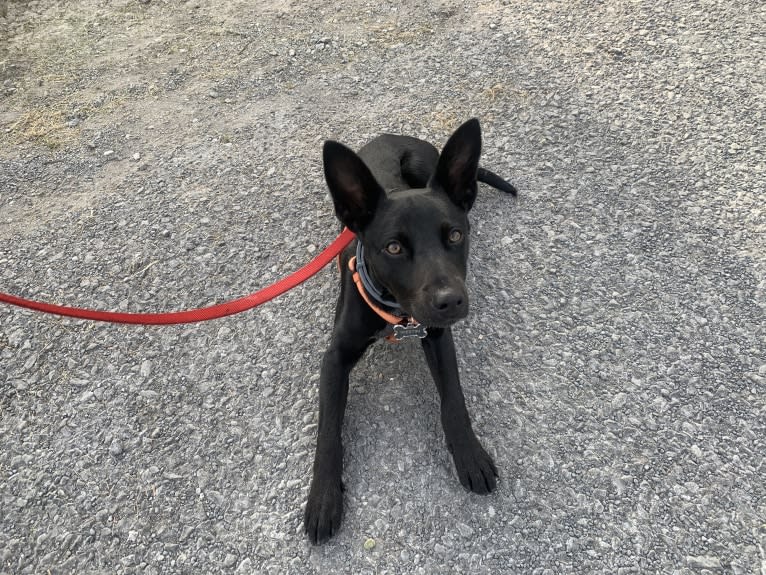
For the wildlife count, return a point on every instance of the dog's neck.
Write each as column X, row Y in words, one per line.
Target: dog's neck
column 380, row 295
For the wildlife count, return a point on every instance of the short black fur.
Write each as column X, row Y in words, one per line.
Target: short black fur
column 400, row 191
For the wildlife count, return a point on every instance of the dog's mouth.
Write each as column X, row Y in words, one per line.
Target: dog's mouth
column 438, row 313
column 439, row 320
column 437, row 324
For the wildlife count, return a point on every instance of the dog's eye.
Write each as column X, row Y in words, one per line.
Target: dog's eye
column 455, row 236
column 394, row 248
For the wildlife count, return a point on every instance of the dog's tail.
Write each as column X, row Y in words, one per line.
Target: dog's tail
column 495, row 181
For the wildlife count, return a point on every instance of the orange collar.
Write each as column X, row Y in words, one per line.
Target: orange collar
column 402, row 326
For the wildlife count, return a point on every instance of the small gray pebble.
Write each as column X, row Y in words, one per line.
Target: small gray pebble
column 229, row 560
column 703, row 562
column 115, row 448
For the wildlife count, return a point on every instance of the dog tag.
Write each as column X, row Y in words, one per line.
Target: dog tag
column 409, row 330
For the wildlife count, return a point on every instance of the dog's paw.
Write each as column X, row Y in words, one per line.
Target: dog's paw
column 324, row 510
column 475, row 468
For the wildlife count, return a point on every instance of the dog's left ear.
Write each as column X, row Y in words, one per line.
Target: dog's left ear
column 458, row 164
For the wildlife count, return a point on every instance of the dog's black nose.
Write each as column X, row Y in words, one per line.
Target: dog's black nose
column 448, row 301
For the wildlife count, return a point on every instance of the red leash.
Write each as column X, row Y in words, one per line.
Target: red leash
column 202, row 314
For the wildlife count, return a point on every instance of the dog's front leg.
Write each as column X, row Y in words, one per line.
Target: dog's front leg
column 474, row 465
column 324, row 508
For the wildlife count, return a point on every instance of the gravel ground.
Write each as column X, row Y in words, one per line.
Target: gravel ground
column 160, row 155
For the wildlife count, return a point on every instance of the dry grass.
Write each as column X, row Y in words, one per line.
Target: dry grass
column 47, row 125
column 44, row 126
column 56, row 54
column 390, row 34
column 493, row 92
column 444, row 120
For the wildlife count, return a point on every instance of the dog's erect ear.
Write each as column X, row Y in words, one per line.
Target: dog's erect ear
column 355, row 192
column 458, row 164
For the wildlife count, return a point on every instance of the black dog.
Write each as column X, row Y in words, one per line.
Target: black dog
column 403, row 277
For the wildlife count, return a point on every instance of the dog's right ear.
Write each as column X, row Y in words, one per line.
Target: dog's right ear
column 354, row 190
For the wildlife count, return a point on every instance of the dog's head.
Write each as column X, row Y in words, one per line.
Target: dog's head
column 416, row 240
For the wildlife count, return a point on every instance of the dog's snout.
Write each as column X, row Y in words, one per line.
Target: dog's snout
column 447, row 300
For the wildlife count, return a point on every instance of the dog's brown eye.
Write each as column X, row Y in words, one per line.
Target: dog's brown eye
column 455, row 236
column 394, row 248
